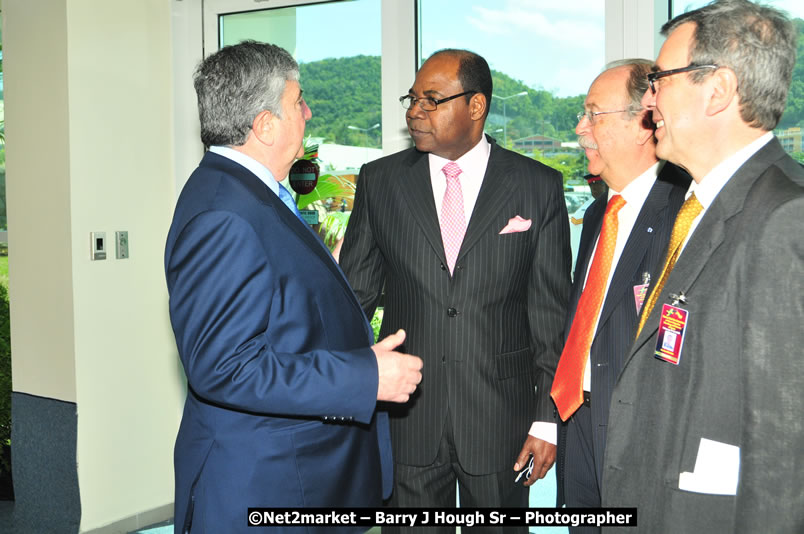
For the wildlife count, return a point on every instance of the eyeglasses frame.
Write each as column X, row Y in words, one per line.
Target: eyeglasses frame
column 653, row 76
column 592, row 115
column 414, row 100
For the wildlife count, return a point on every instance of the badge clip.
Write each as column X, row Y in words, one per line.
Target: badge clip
column 678, row 298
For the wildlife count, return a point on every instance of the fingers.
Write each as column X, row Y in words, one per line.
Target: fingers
column 399, row 374
column 522, row 459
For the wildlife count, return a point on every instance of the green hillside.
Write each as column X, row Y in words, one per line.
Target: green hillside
column 346, row 91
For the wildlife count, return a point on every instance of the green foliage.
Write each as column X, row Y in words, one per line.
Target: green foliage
column 794, row 111
column 334, row 227
column 328, row 186
column 344, row 92
column 570, row 165
column 376, row 322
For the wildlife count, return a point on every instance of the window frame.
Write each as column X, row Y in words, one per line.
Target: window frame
column 631, row 30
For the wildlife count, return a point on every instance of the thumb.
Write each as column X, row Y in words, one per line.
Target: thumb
column 391, row 342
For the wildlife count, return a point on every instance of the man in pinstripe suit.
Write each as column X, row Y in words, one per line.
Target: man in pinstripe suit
column 618, row 139
column 487, row 319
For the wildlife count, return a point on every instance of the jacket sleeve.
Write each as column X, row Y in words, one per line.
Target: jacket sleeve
column 361, row 258
column 548, row 293
column 232, row 314
column 773, row 376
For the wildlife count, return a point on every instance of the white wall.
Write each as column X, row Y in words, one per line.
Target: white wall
column 89, row 129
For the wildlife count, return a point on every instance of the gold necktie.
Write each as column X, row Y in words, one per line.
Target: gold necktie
column 689, row 210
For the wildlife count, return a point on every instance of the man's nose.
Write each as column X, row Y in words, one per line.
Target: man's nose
column 582, row 126
column 648, row 99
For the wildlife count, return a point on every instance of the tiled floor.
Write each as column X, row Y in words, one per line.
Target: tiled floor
column 542, row 495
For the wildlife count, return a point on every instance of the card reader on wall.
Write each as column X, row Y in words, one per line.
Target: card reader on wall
column 97, row 245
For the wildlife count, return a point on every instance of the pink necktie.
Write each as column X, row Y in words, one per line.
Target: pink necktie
column 453, row 223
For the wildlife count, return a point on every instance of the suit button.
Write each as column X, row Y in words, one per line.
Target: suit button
column 443, row 359
column 452, row 312
column 443, row 267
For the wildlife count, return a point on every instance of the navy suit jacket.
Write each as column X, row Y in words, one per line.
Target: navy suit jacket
column 644, row 252
column 282, row 383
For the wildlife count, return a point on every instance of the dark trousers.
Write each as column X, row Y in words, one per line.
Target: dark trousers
column 581, row 486
column 433, row 486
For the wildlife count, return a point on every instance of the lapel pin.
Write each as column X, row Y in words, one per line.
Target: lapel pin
column 680, row 297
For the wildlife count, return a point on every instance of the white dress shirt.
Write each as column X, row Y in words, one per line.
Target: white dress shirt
column 634, row 194
column 473, row 167
column 707, row 190
column 260, row 170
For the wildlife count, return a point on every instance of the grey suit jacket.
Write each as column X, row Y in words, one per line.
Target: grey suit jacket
column 740, row 378
column 644, row 252
column 490, row 335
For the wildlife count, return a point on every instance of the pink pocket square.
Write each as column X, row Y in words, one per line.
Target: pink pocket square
column 516, row 224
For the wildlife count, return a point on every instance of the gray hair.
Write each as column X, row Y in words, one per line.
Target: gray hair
column 637, row 82
column 757, row 42
column 235, row 84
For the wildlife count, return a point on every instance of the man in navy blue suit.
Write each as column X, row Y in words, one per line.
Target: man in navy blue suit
column 283, row 380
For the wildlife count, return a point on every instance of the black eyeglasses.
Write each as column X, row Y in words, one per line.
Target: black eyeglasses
column 427, row 103
column 653, row 76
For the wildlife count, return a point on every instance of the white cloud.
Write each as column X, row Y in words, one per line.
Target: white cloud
column 564, row 26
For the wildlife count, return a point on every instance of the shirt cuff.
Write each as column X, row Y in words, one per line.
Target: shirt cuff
column 544, row 431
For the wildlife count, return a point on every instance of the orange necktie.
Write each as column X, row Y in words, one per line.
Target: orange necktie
column 567, row 391
column 689, row 210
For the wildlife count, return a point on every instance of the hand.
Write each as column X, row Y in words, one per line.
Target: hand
column 399, row 373
column 544, row 455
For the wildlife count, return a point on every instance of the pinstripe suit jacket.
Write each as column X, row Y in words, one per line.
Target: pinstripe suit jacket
column 644, row 252
column 490, row 333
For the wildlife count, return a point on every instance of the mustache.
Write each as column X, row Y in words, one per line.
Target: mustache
column 585, row 142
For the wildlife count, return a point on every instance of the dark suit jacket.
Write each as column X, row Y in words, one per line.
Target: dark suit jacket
column 741, row 374
column 282, row 382
column 644, row 252
column 488, row 334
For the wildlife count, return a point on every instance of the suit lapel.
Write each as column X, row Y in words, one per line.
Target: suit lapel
column 637, row 245
column 416, row 188
column 709, row 234
column 592, row 224
column 496, row 189
column 293, row 224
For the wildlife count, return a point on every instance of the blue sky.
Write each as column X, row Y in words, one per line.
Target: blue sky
column 548, row 44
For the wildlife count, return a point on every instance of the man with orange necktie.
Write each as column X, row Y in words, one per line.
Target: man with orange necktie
column 625, row 233
column 705, row 426
column 471, row 243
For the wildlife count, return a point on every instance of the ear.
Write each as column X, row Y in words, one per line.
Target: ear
column 264, row 127
column 722, row 93
column 645, row 132
column 477, row 107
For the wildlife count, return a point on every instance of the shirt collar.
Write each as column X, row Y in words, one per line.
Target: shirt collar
column 257, row 168
column 713, row 182
column 638, row 190
column 477, row 157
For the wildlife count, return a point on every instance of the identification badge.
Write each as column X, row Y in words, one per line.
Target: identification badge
column 640, row 292
column 672, row 325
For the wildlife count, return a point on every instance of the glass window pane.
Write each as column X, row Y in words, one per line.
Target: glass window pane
column 543, row 56
column 338, row 48
column 790, row 130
